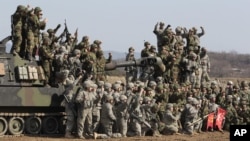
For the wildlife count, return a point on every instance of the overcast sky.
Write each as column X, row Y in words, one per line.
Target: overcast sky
column 120, row 24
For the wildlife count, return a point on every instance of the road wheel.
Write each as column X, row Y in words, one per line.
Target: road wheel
column 16, row 125
column 50, row 125
column 33, row 125
column 3, row 126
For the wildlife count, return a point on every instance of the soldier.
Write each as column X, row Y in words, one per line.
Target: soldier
column 33, row 31
column 69, row 83
column 46, row 59
column 90, row 63
column 179, row 35
column 136, row 117
column 205, row 65
column 85, row 99
column 229, row 89
column 145, row 51
column 98, row 106
column 170, row 120
column 152, row 51
column 100, row 65
column 191, row 68
column 245, row 92
column 193, row 41
column 98, row 43
column 84, row 44
column 108, row 118
column 122, row 115
column 75, row 63
column 232, row 115
column 191, row 115
column 62, row 60
column 158, row 31
column 54, row 39
column 17, row 24
column 131, row 71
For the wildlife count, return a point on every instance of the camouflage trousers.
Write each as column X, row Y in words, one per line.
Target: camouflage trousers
column 84, row 114
column 17, row 41
column 123, row 126
column 70, row 124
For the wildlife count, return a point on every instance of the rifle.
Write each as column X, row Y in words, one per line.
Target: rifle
column 199, row 119
column 71, row 105
column 142, row 121
column 66, row 28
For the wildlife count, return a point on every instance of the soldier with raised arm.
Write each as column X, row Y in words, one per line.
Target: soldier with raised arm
column 33, row 31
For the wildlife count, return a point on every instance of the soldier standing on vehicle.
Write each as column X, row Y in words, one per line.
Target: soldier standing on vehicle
column 100, row 65
column 131, row 71
column 205, row 65
column 46, row 59
column 89, row 65
column 17, row 24
column 33, row 28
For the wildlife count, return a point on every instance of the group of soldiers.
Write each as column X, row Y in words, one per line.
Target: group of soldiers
column 54, row 53
column 169, row 101
column 184, row 59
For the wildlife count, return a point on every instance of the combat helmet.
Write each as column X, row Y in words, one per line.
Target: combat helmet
column 37, row 9
column 131, row 49
column 20, row 8
column 123, row 97
column 178, row 29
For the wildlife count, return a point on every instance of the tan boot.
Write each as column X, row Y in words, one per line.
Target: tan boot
column 95, row 135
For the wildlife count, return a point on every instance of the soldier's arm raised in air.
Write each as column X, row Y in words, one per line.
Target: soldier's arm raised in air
column 202, row 32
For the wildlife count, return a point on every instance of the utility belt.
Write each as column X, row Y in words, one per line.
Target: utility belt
column 87, row 104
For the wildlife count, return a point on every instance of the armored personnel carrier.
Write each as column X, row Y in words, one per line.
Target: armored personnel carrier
column 26, row 105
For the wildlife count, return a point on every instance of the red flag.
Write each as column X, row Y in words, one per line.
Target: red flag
column 220, row 117
column 210, row 121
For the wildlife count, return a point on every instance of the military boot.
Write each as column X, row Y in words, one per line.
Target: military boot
column 68, row 135
column 95, row 135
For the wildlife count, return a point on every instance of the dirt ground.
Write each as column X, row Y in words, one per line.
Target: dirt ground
column 206, row 136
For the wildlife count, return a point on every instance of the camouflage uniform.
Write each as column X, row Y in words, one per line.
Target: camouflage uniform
column 190, row 116
column 131, row 71
column 122, row 115
column 108, row 118
column 69, row 84
column 90, row 63
column 170, row 120
column 98, row 106
column 100, row 66
column 75, row 63
column 46, row 58
column 191, row 68
column 85, row 99
column 136, row 117
column 205, row 65
column 34, row 27
column 231, row 116
column 158, row 31
column 17, row 23
column 145, row 51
